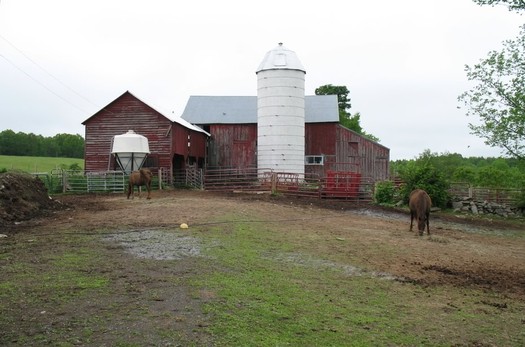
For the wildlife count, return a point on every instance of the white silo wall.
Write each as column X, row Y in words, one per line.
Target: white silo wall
column 280, row 120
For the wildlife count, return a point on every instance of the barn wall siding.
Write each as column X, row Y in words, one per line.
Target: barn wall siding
column 233, row 145
column 129, row 113
column 188, row 143
column 320, row 140
column 359, row 154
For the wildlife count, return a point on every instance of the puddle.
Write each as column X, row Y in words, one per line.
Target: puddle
column 316, row 263
column 157, row 244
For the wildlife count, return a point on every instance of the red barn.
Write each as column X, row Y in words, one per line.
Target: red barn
column 174, row 144
column 329, row 146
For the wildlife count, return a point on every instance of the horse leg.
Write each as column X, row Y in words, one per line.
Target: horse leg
column 411, row 219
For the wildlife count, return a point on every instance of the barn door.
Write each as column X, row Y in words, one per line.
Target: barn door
column 243, row 154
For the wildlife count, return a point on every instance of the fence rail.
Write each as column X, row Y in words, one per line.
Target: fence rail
column 337, row 185
column 496, row 195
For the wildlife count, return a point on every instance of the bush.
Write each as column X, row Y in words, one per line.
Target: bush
column 385, row 192
column 425, row 176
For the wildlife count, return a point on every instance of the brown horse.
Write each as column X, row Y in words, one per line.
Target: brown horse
column 140, row 178
column 419, row 204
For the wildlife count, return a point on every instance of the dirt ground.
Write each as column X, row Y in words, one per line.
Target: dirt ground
column 462, row 251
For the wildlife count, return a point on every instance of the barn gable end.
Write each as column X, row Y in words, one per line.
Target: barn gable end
column 166, row 138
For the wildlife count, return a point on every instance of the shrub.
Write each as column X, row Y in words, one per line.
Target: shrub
column 385, row 192
column 425, row 176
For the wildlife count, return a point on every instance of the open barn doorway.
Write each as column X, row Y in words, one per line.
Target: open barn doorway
column 179, row 170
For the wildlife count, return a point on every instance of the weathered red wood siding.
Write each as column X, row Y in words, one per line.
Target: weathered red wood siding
column 123, row 114
column 359, row 154
column 188, row 143
column 344, row 150
column 320, row 140
column 233, row 146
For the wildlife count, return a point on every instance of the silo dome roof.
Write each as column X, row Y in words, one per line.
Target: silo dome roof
column 280, row 58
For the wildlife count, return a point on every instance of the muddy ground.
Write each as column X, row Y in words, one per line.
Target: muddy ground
column 463, row 251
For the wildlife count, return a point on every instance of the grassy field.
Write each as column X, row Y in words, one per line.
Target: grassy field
column 37, row 164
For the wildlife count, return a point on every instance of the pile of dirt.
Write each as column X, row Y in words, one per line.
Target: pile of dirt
column 22, row 197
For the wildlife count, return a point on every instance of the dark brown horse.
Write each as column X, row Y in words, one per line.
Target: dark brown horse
column 419, row 204
column 140, row 178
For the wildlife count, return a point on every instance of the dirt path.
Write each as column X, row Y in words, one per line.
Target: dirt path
column 460, row 250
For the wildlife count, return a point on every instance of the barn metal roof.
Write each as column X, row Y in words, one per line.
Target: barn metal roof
column 243, row 109
column 178, row 120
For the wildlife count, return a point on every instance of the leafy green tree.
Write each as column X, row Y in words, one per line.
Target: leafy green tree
column 349, row 121
column 478, row 171
column 513, row 5
column 61, row 145
column 464, row 174
column 490, row 177
column 424, row 175
column 71, row 146
column 50, row 147
column 7, row 142
column 425, row 172
column 498, row 99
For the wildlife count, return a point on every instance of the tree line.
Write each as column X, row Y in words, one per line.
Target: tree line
column 478, row 171
column 436, row 172
column 60, row 145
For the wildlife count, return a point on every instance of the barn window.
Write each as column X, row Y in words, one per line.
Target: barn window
column 314, row 160
column 354, row 148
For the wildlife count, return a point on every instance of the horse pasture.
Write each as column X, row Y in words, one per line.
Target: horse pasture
column 257, row 270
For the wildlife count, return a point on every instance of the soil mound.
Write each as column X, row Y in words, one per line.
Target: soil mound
column 22, row 197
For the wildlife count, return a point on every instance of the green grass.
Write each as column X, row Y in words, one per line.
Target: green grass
column 263, row 301
column 37, row 164
column 66, row 279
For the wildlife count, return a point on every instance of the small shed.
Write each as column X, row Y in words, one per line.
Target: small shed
column 329, row 147
column 174, row 144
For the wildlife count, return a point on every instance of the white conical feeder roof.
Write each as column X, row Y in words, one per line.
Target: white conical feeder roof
column 130, row 150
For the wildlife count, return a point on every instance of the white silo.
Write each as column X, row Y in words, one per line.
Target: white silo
column 280, row 112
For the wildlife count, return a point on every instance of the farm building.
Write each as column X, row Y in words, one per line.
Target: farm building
column 283, row 130
column 174, row 144
column 279, row 130
column 329, row 146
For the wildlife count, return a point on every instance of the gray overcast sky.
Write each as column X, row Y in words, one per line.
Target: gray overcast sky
column 403, row 61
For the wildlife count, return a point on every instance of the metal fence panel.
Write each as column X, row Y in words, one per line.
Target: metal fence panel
column 496, row 195
column 63, row 181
